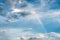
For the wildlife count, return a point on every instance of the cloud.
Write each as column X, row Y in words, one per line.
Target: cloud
column 19, row 34
column 41, row 36
column 16, row 3
column 30, row 8
column 13, row 34
column 52, row 15
column 15, row 12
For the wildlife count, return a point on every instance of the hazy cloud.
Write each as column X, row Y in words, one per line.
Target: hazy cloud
column 19, row 34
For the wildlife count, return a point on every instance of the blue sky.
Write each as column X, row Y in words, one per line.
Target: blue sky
column 31, row 16
column 50, row 23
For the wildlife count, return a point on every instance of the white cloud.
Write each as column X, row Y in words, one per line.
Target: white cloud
column 41, row 36
column 17, row 34
column 13, row 34
column 53, row 15
column 17, row 10
column 31, row 8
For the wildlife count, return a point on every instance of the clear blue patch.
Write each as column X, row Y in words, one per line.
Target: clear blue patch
column 55, row 5
column 35, row 2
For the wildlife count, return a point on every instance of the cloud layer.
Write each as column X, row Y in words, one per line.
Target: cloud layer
column 19, row 34
column 18, row 8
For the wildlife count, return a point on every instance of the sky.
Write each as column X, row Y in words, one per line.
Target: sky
column 29, row 17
